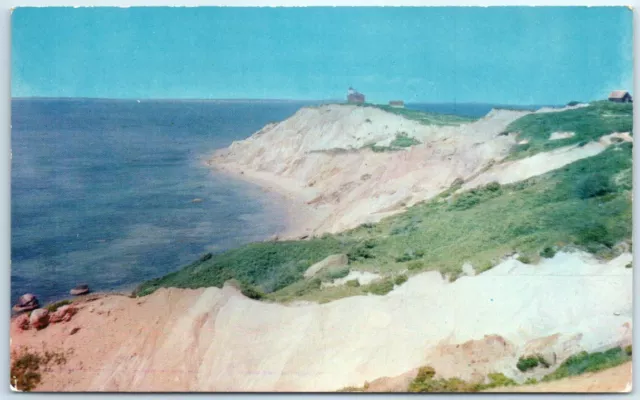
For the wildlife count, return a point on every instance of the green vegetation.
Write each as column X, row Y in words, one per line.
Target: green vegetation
column 403, row 140
column 27, row 365
column 548, row 252
column 588, row 123
column 527, row 363
column 426, row 118
column 590, row 362
column 425, row 382
column 479, row 226
column 54, row 306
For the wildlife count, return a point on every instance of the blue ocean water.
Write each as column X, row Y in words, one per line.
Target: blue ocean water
column 102, row 190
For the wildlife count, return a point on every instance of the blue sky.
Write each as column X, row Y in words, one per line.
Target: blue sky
column 507, row 55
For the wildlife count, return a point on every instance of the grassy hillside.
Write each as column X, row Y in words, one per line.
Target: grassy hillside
column 588, row 123
column 585, row 204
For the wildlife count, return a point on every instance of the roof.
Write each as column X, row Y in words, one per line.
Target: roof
column 618, row 94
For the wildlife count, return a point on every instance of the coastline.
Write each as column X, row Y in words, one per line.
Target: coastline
column 302, row 218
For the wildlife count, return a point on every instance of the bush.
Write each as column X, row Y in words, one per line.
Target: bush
column 548, row 252
column 524, row 259
column 27, row 365
column 400, row 279
column 629, row 265
column 415, row 265
column 531, row 381
column 530, row 362
column 425, row 373
column 353, row 283
column 337, row 273
column 594, row 233
column 628, row 350
column 379, row 288
column 54, row 306
column 493, row 186
column 252, row 293
column 573, row 103
column 594, row 185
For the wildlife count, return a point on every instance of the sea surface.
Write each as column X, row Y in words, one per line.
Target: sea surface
column 114, row 192
column 104, row 192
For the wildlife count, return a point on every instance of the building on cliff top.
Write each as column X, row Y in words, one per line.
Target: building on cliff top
column 354, row 96
column 397, row 103
column 620, row 96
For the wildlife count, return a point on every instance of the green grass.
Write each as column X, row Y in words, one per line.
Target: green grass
column 425, row 382
column 590, row 362
column 480, row 226
column 588, row 123
column 54, row 306
column 426, row 118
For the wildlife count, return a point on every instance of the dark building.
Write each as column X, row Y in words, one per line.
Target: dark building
column 620, row 96
column 354, row 96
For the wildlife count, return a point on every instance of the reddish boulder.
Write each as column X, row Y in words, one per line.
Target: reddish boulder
column 39, row 318
column 63, row 313
column 23, row 322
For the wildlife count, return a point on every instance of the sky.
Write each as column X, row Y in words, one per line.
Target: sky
column 499, row 55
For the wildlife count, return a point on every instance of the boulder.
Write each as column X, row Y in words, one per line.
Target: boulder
column 26, row 302
column 79, row 290
column 39, row 318
column 63, row 313
column 23, row 322
column 336, row 260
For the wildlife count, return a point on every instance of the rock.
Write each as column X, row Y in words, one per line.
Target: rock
column 26, row 302
column 63, row 313
column 196, row 200
column 79, row 290
column 335, row 260
column 74, row 330
column 23, row 322
column 39, row 318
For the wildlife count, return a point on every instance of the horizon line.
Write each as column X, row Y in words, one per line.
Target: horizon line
column 270, row 100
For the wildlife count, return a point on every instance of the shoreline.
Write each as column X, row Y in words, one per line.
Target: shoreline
column 302, row 219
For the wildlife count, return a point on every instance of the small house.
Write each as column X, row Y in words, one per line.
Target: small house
column 354, row 96
column 620, row 96
column 396, row 103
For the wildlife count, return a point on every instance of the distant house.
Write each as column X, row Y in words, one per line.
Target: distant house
column 620, row 96
column 354, row 96
column 397, row 103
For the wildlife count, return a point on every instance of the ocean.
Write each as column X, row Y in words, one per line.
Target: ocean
column 114, row 192
column 104, row 192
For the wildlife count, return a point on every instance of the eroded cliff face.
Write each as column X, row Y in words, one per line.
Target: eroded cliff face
column 218, row 340
column 323, row 155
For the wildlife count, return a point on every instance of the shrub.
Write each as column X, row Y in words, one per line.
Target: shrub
column 493, row 186
column 629, row 265
column 524, row 259
column 400, row 279
column 573, row 103
column 548, row 252
column 403, row 140
column 54, row 306
column 497, row 380
column 337, row 273
column 353, row 283
column 415, row 265
column 594, row 185
column 531, row 381
column 530, row 362
column 425, row 373
column 594, row 233
column 628, row 349
column 27, row 365
column 379, row 288
column 252, row 293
